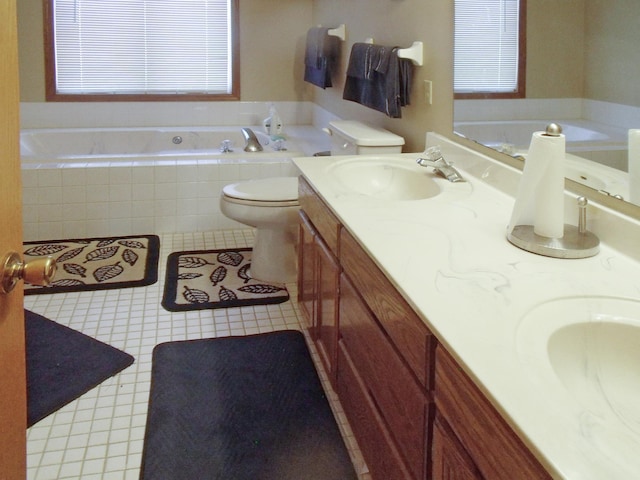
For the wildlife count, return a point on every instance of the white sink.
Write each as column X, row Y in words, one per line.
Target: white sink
column 384, row 178
column 586, row 351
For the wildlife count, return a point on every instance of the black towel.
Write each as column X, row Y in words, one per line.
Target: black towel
column 320, row 56
column 378, row 78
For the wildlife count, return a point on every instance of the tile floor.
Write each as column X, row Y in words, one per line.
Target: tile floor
column 100, row 435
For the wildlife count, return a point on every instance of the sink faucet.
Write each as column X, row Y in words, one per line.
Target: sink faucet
column 252, row 144
column 433, row 158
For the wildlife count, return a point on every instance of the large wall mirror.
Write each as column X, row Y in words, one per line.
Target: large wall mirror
column 582, row 71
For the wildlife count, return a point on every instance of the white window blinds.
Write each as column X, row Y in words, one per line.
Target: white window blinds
column 486, row 46
column 143, row 46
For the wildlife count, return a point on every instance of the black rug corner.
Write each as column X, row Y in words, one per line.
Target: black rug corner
column 245, row 407
column 63, row 364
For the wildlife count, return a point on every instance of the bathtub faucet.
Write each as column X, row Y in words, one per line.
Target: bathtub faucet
column 433, row 158
column 251, row 141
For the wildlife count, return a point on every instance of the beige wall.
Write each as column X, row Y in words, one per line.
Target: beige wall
column 397, row 22
column 613, row 64
column 272, row 46
column 555, row 48
column 272, row 35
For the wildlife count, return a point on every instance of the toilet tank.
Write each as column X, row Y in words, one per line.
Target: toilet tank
column 350, row 137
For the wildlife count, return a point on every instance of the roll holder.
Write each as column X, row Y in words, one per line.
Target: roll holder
column 577, row 242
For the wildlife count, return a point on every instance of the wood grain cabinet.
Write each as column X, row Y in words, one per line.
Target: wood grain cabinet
column 474, row 441
column 318, row 276
column 415, row 414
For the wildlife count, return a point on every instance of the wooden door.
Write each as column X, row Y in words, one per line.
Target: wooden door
column 13, row 410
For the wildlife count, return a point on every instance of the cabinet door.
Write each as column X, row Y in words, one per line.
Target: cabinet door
column 389, row 383
column 328, row 278
column 307, row 273
column 492, row 444
column 450, row 460
column 380, row 452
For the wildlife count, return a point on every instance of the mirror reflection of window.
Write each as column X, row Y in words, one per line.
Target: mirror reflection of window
column 489, row 55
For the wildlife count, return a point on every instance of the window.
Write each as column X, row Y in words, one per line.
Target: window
column 141, row 49
column 489, row 54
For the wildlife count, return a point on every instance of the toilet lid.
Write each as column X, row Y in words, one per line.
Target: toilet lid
column 277, row 189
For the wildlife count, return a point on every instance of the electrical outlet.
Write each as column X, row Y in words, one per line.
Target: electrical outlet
column 428, row 92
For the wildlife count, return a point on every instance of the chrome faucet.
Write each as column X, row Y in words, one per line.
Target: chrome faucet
column 252, row 144
column 433, row 158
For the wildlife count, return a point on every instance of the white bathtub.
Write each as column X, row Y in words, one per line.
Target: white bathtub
column 578, row 133
column 597, row 142
column 99, row 182
column 126, row 144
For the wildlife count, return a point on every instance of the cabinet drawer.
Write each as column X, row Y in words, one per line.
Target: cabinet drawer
column 399, row 399
column 399, row 321
column 380, row 453
column 496, row 450
column 321, row 217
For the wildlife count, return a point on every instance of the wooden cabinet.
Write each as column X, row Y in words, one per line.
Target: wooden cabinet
column 318, row 276
column 471, row 420
column 307, row 272
column 415, row 414
column 450, row 459
column 383, row 380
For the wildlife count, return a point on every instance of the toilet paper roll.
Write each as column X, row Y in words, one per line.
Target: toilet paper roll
column 634, row 165
column 540, row 198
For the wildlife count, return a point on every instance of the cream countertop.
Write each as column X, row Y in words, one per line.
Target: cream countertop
column 448, row 256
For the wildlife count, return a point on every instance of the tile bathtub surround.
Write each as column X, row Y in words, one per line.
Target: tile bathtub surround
column 100, row 435
column 131, row 198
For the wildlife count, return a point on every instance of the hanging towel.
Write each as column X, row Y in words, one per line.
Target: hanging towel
column 377, row 78
column 320, row 56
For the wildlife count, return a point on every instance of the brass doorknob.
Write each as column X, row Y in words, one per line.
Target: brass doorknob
column 39, row 271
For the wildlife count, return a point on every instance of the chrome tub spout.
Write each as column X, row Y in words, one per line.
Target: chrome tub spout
column 251, row 141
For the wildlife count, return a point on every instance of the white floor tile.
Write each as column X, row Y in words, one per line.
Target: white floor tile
column 100, row 435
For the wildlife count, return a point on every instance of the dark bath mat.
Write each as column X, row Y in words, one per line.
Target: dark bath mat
column 249, row 407
column 98, row 263
column 63, row 364
column 201, row 279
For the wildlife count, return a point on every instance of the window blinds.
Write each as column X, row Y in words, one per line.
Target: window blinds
column 143, row 46
column 486, row 46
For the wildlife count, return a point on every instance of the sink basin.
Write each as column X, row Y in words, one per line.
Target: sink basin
column 591, row 346
column 599, row 363
column 384, row 178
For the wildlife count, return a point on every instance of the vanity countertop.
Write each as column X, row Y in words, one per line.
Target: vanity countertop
column 485, row 300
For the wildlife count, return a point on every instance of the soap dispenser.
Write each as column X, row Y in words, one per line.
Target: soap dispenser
column 273, row 123
column 276, row 128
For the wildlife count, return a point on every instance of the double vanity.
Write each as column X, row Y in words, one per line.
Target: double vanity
column 454, row 353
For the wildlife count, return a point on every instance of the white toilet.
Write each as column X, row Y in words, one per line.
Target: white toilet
column 271, row 205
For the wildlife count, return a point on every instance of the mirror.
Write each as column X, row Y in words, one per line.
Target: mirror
column 582, row 71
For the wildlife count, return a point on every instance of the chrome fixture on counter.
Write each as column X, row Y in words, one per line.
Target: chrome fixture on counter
column 577, row 241
column 226, row 146
column 252, row 143
column 433, row 158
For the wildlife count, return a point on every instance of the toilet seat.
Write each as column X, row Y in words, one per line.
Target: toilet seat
column 267, row 192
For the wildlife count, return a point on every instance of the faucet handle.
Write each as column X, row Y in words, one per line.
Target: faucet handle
column 433, row 153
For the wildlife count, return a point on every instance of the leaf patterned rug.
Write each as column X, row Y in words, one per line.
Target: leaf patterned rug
column 205, row 279
column 97, row 263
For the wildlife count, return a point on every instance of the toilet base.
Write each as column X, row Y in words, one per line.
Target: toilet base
column 274, row 258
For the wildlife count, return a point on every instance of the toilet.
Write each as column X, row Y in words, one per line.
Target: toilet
column 270, row 205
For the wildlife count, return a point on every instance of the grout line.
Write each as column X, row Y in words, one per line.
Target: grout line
column 100, row 435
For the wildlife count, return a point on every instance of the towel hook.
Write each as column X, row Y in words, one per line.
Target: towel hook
column 339, row 31
column 415, row 53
